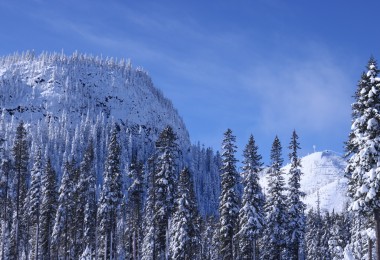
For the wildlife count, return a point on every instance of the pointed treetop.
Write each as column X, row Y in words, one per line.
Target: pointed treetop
column 276, row 154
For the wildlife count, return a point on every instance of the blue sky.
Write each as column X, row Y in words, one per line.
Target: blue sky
column 264, row 67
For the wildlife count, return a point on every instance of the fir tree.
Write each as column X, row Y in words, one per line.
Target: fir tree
column 5, row 201
column 313, row 236
column 364, row 147
column 32, row 205
column 149, row 230
column 275, row 207
column 336, row 241
column 20, row 153
column 184, row 239
column 48, row 208
column 135, row 208
column 251, row 215
column 62, row 241
column 207, row 230
column 110, row 198
column 229, row 198
column 165, row 177
column 87, row 184
column 296, row 208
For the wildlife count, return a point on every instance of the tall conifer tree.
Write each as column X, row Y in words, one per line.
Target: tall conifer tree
column 296, row 208
column 185, row 237
column 110, row 198
column 135, row 208
column 364, row 147
column 165, row 178
column 251, row 215
column 275, row 207
column 229, row 198
column 20, row 153
column 32, row 205
column 62, row 241
column 48, row 208
column 88, row 195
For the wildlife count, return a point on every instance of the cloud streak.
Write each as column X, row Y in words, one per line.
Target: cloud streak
column 312, row 94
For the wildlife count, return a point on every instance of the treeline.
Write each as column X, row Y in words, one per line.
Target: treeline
column 156, row 216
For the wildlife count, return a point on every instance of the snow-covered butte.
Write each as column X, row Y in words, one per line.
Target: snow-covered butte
column 48, row 84
column 63, row 99
column 323, row 173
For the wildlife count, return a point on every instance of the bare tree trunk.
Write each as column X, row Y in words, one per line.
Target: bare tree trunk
column 369, row 249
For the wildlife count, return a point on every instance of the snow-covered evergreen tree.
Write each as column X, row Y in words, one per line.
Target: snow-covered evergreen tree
column 48, row 208
column 5, row 199
column 149, row 229
column 165, row 178
column 207, row 229
column 62, row 241
column 364, row 147
column 313, row 236
column 87, row 183
column 275, row 207
column 229, row 198
column 336, row 241
column 184, row 233
column 296, row 217
column 32, row 206
column 251, row 214
column 109, row 201
column 135, row 208
column 20, row 153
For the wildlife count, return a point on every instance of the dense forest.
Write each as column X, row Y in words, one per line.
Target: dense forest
column 102, row 188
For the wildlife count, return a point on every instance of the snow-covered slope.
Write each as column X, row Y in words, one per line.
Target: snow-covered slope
column 36, row 87
column 64, row 100
column 323, row 173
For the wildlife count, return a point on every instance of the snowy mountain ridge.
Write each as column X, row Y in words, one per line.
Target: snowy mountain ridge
column 64, row 100
column 323, row 173
column 49, row 84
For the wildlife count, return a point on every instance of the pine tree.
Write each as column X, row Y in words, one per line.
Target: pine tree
column 327, row 223
column 135, row 208
column 229, row 198
column 184, row 235
column 62, row 240
column 110, row 199
column 336, row 241
column 165, row 177
column 87, row 186
column 207, row 230
column 364, row 147
column 5, row 200
column 251, row 215
column 20, row 153
column 296, row 208
column 32, row 205
column 48, row 208
column 149, row 230
column 275, row 207
column 313, row 236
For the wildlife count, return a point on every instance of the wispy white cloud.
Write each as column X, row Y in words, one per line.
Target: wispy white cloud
column 313, row 93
